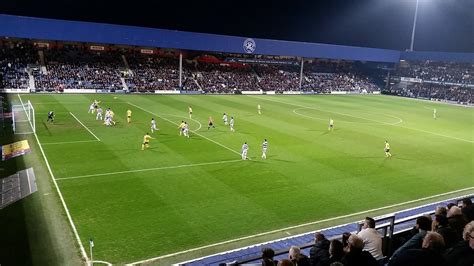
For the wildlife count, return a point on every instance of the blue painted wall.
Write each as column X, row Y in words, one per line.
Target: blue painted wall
column 61, row 30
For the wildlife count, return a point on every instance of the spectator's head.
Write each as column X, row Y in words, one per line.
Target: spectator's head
column 355, row 243
column 336, row 249
column 285, row 262
column 423, row 223
column 442, row 220
column 468, row 234
column 268, row 253
column 433, row 241
column 466, row 202
column 318, row 236
column 450, row 205
column 441, row 210
column 454, row 211
column 294, row 253
column 345, row 238
column 369, row 223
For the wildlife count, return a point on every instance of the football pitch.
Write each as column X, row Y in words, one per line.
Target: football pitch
column 183, row 193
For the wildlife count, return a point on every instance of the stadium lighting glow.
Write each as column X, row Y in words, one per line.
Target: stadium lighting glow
column 414, row 27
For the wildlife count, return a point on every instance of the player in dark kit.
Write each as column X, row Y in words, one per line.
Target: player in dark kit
column 50, row 117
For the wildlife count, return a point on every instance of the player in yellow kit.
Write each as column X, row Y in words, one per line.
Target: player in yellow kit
column 181, row 128
column 146, row 140
column 129, row 116
column 387, row 149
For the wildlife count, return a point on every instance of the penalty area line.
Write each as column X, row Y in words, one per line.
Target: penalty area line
column 84, row 126
column 149, row 169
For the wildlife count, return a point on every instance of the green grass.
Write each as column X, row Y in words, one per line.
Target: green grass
column 310, row 173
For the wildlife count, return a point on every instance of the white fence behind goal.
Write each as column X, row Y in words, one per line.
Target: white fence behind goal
column 23, row 116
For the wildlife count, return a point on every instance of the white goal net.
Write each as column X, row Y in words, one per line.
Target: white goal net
column 23, row 116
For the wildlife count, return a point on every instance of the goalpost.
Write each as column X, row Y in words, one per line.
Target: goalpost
column 23, row 118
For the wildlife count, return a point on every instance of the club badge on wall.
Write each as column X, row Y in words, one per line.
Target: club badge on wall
column 249, row 45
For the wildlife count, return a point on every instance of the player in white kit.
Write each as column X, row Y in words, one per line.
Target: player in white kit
column 231, row 124
column 264, row 149
column 224, row 118
column 153, row 125
column 245, row 148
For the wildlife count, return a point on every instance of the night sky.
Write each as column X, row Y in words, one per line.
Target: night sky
column 443, row 25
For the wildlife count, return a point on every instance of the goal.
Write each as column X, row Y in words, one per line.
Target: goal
column 23, row 118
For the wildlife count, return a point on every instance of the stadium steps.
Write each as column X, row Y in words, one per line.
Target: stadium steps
column 405, row 221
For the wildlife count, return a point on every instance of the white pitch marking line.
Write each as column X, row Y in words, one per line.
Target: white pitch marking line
column 310, row 232
column 69, row 142
column 222, row 145
column 85, row 126
column 296, row 226
column 200, row 125
column 148, row 169
column 420, row 130
column 307, row 107
column 71, row 222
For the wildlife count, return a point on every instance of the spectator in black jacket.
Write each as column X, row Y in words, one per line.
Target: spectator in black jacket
column 468, row 209
column 428, row 255
column 441, row 226
column 356, row 256
column 336, row 251
column 297, row 258
column 319, row 253
column 462, row 254
column 267, row 257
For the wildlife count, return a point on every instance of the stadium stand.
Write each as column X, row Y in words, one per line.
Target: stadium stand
column 392, row 227
column 461, row 73
column 79, row 68
column 14, row 59
column 75, row 66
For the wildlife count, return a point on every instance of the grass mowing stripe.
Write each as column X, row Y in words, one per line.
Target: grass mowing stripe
column 71, row 222
column 211, row 140
column 149, row 169
column 390, row 124
column 85, row 126
column 296, row 226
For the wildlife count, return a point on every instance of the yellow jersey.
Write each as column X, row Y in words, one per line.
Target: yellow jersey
column 181, row 125
column 146, row 138
column 387, row 146
column 129, row 113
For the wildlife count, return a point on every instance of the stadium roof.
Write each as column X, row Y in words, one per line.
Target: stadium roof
column 62, row 30
column 442, row 25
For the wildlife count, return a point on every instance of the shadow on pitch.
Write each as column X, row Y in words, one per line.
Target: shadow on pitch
column 46, row 127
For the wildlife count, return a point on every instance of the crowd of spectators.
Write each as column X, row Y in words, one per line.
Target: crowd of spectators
column 150, row 73
column 224, row 78
column 278, row 78
column 327, row 82
column 462, row 73
column 458, row 94
column 444, row 239
column 79, row 68
column 14, row 59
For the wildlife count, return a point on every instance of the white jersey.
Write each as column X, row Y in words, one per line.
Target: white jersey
column 231, row 123
column 224, row 118
column 264, row 145
column 245, row 147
